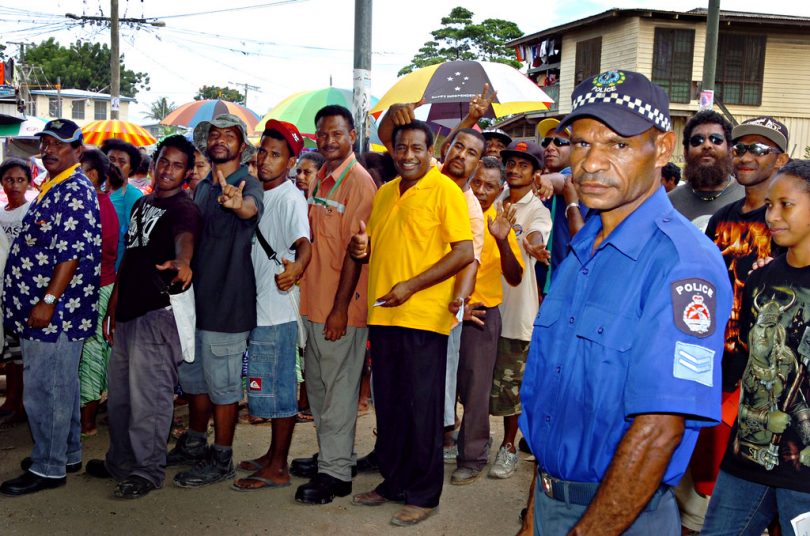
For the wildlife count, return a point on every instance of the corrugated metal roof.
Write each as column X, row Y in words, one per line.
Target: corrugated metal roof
column 698, row 14
column 78, row 94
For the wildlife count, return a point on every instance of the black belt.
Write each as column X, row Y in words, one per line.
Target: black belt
column 582, row 493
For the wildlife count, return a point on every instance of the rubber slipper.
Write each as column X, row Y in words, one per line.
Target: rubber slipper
column 268, row 484
column 304, row 416
column 250, row 465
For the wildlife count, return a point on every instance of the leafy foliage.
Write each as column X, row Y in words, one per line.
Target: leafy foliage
column 83, row 66
column 216, row 92
column 160, row 108
column 460, row 38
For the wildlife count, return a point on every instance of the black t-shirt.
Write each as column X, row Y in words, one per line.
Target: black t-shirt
column 742, row 238
column 150, row 240
column 775, row 335
column 224, row 283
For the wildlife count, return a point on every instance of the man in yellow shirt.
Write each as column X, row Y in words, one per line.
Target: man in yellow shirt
column 479, row 337
column 421, row 237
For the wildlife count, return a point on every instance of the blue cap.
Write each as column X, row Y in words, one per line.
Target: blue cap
column 63, row 130
column 625, row 101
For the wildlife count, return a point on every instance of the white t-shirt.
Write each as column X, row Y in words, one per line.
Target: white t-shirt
column 284, row 221
column 520, row 303
column 11, row 220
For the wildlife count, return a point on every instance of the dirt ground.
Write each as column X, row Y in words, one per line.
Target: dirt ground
column 86, row 506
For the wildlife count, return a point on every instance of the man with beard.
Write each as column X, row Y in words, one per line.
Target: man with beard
column 230, row 202
column 709, row 183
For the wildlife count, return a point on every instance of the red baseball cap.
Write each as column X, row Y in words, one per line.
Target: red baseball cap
column 290, row 132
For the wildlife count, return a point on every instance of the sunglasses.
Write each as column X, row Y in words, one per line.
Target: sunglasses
column 698, row 139
column 558, row 142
column 756, row 149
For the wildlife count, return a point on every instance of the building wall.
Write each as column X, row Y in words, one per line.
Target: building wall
column 42, row 109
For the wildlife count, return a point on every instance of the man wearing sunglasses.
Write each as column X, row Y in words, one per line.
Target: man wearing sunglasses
column 709, row 181
column 739, row 230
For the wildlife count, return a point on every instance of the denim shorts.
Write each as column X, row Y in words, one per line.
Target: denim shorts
column 271, row 380
column 217, row 366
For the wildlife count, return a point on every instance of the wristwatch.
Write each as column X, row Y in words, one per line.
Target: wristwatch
column 49, row 299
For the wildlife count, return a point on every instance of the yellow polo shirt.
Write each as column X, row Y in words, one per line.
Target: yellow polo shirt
column 409, row 234
column 488, row 287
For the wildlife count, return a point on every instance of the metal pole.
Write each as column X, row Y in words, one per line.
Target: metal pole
column 115, row 61
column 710, row 54
column 361, row 97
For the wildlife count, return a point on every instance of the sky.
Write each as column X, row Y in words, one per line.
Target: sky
column 286, row 46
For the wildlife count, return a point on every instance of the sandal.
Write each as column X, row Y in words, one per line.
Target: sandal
column 411, row 515
column 252, row 466
column 266, row 484
column 305, row 415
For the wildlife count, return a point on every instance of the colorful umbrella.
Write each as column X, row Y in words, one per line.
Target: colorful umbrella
column 300, row 108
column 26, row 128
column 448, row 87
column 98, row 131
column 191, row 113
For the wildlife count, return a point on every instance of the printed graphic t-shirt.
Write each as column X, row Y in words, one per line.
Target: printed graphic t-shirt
column 772, row 430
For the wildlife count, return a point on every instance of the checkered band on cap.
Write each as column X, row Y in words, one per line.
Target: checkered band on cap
column 646, row 110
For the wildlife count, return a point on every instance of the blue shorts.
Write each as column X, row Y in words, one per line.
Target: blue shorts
column 217, row 367
column 271, row 380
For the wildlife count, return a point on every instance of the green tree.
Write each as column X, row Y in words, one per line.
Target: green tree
column 216, row 92
column 83, row 65
column 160, row 108
column 460, row 38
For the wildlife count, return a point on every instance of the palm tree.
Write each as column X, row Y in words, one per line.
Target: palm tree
column 160, row 109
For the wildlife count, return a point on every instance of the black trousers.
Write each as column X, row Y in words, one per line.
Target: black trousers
column 408, row 370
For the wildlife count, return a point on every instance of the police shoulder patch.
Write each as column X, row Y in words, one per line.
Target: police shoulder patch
column 694, row 303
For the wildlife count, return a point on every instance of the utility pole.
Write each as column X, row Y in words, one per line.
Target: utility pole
column 246, row 87
column 115, row 56
column 361, row 94
column 115, row 62
column 710, row 54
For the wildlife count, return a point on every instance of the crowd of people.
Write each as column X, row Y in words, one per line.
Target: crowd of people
column 648, row 338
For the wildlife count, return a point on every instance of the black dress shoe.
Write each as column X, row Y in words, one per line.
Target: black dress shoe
column 368, row 463
column 27, row 462
column 28, row 483
column 304, row 467
column 97, row 468
column 322, row 489
column 133, row 487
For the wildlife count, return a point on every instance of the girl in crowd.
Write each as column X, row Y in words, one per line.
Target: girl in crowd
column 306, row 170
column 96, row 350
column 15, row 176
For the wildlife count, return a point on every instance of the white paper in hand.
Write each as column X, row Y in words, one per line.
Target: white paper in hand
column 801, row 524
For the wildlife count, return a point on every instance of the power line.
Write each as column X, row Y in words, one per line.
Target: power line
column 271, row 4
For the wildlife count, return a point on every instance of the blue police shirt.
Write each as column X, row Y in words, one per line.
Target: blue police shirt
column 635, row 327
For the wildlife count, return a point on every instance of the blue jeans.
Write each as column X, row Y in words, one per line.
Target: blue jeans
column 217, row 367
column 271, row 371
column 740, row 508
column 51, row 399
column 553, row 517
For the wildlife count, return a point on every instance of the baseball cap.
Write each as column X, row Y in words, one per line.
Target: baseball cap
column 497, row 133
column 524, row 149
column 625, row 101
column 548, row 126
column 289, row 132
column 220, row 121
column 63, row 130
column 764, row 126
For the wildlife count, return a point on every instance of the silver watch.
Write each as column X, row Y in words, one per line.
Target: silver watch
column 49, row 299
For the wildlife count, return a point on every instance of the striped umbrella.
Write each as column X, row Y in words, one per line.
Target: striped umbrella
column 98, row 131
column 27, row 128
column 191, row 113
column 448, row 87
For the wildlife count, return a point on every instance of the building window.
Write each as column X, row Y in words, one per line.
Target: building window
column 740, row 68
column 100, row 110
column 78, row 109
column 53, row 107
column 589, row 59
column 672, row 62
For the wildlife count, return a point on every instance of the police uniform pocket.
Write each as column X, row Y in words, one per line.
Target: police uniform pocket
column 606, row 328
column 549, row 313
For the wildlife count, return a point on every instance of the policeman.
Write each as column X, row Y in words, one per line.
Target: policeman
column 624, row 363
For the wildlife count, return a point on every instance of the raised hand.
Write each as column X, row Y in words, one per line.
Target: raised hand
column 358, row 246
column 403, row 113
column 231, row 195
column 481, row 103
column 538, row 251
column 503, row 222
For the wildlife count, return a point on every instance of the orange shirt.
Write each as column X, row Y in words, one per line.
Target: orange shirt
column 336, row 207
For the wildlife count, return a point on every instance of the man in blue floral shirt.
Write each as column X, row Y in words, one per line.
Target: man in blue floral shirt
column 51, row 295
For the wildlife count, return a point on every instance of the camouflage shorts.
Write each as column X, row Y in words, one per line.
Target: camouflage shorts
column 504, row 398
